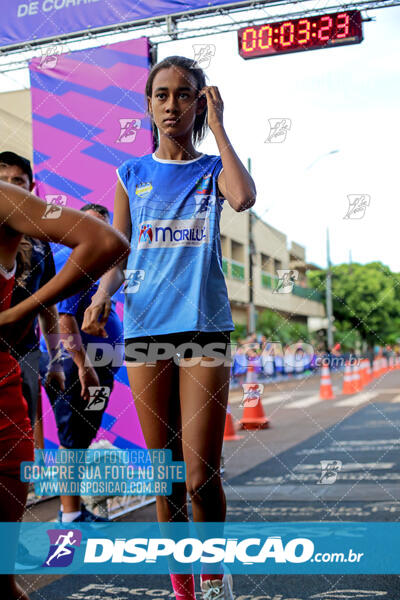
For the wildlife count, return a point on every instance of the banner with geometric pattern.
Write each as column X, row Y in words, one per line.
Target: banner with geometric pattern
column 88, row 116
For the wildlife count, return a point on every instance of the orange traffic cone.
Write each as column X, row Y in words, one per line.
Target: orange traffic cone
column 254, row 417
column 347, row 380
column 369, row 372
column 230, row 433
column 251, row 376
column 325, row 390
column 363, row 373
column 357, row 385
column 376, row 369
column 384, row 365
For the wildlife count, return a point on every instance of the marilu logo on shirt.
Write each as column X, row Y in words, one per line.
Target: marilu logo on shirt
column 173, row 233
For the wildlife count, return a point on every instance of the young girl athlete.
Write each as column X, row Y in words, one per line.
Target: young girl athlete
column 168, row 204
column 22, row 213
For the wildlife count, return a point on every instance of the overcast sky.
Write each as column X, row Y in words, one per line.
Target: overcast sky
column 344, row 99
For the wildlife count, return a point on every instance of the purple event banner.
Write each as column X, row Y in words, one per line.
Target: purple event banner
column 88, row 117
column 24, row 21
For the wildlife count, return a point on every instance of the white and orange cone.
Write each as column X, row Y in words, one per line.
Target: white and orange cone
column 376, row 373
column 325, row 390
column 363, row 373
column 347, row 379
column 230, row 434
column 357, row 385
column 369, row 372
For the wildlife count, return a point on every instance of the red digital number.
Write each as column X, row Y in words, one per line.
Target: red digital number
column 252, row 34
column 284, row 34
column 306, row 31
column 268, row 44
column 344, row 25
column 325, row 29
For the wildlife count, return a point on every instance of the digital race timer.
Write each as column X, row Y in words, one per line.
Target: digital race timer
column 292, row 35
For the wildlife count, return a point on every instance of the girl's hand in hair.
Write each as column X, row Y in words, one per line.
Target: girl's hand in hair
column 215, row 106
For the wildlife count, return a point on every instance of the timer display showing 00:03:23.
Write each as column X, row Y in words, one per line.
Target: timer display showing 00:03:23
column 301, row 34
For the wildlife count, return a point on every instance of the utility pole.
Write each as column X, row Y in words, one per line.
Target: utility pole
column 329, row 293
column 251, row 251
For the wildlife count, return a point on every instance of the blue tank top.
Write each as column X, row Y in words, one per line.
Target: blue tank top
column 174, row 280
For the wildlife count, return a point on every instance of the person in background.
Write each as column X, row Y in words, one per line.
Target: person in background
column 21, row 213
column 77, row 425
column 35, row 267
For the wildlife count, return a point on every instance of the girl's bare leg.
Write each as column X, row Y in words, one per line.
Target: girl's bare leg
column 155, row 391
column 204, row 394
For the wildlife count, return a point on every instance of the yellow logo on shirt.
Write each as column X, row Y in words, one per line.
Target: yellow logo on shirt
column 144, row 188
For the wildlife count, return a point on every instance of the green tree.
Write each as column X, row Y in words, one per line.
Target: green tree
column 366, row 300
column 240, row 332
column 280, row 329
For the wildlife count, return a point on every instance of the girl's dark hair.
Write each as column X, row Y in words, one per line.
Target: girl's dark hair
column 190, row 66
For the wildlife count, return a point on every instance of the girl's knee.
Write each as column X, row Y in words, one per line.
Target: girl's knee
column 204, row 483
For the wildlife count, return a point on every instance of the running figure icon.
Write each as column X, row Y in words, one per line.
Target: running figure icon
column 62, row 542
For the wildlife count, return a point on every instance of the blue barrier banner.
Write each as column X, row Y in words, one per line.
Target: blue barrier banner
column 31, row 20
column 245, row 548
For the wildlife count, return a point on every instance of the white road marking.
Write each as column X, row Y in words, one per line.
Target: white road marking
column 305, row 402
column 357, row 399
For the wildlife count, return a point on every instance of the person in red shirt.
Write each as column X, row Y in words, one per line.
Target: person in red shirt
column 22, row 213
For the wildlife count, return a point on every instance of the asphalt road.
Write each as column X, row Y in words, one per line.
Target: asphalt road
column 272, row 474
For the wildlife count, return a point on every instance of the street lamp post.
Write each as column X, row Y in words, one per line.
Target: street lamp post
column 251, row 251
column 329, row 311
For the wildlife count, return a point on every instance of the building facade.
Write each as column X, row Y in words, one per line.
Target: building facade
column 270, row 254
